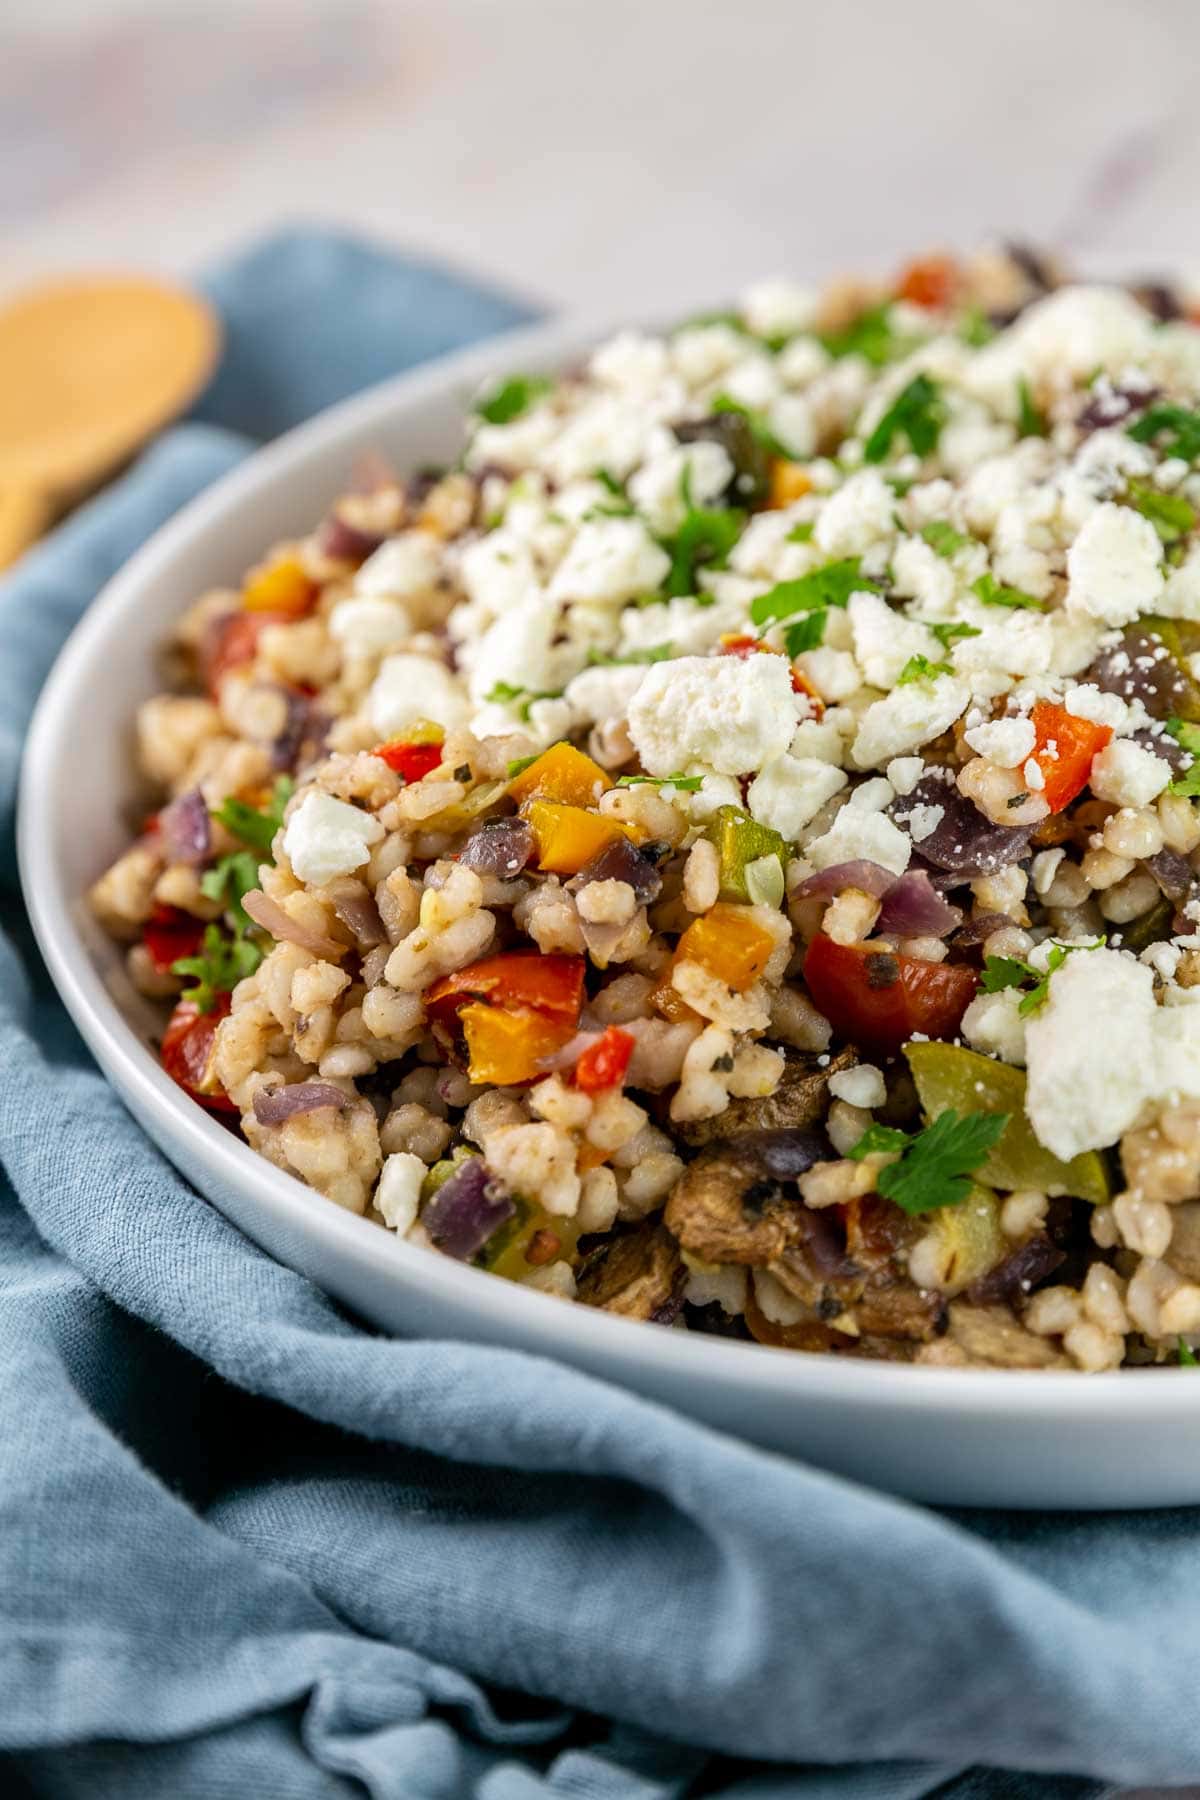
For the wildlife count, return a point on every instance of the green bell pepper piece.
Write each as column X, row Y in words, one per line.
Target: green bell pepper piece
column 740, row 841
column 947, row 1076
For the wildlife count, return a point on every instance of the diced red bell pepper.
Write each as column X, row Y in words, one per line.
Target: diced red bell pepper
column 170, row 933
column 931, row 281
column 877, row 999
column 412, row 761
column 233, row 641
column 548, row 984
column 603, row 1064
column 187, row 1049
column 1063, row 750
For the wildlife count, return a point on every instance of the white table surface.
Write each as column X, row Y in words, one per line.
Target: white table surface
column 593, row 153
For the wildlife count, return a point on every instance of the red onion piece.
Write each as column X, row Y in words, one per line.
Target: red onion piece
column 914, row 908
column 1140, row 667
column 979, row 929
column 623, row 861
column 963, row 842
column 186, row 829
column 867, row 877
column 304, row 729
column 272, row 1106
column 358, row 912
column 1020, row 1272
column 467, row 1209
column 344, row 542
column 500, row 847
column 1173, row 874
column 569, row 1055
column 271, row 916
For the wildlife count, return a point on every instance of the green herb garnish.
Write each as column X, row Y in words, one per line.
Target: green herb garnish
column 512, row 398
column 760, row 431
column 652, row 654
column 1171, row 515
column 503, row 693
column 1176, row 425
column 801, row 533
column 229, row 880
column 949, row 631
column 975, row 328
column 223, row 960
column 1000, row 972
column 919, row 668
column 941, row 536
column 936, row 1165
column 831, row 585
column 1030, row 422
column 871, row 336
column 1187, row 1356
column 690, row 784
column 706, row 536
column 256, row 825
column 916, row 413
column 805, row 633
column 994, row 593
column 519, row 765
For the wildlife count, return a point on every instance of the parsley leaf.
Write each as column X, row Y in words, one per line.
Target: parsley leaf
column 707, row 535
column 1170, row 514
column 801, row 533
column 806, row 632
column 1179, row 428
column 229, row 880
column 222, row 962
column 503, row 693
column 879, row 1140
column 256, row 826
column 871, row 336
column 916, row 413
column 512, row 398
column 1187, row 1356
column 992, row 593
column 1001, row 972
column 919, row 668
column 1187, row 785
column 831, row 585
column 975, row 328
column 688, row 784
column 1187, row 736
column 519, row 765
column 1030, row 422
column 936, row 1166
column 652, row 654
column 941, row 536
column 948, row 631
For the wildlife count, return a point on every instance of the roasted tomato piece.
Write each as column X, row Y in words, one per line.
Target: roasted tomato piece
column 233, row 640
column 878, row 999
column 603, row 1064
column 931, row 281
column 187, row 1052
column 412, row 761
column 170, row 933
column 548, row 984
column 1063, row 751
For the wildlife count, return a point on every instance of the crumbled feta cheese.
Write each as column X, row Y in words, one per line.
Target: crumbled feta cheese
column 993, row 1024
column 923, row 820
column 631, row 361
column 791, row 423
column 1087, row 701
column 863, row 1085
column 365, row 626
column 402, row 567
column 702, row 352
column 875, row 795
column 1005, row 742
column 778, row 308
column 731, row 713
column 326, row 837
column 834, row 673
column 1127, row 775
column 907, row 718
column 408, row 688
column 885, row 639
column 399, row 1192
column 656, row 489
column 498, row 571
column 861, row 836
column 609, row 432
column 821, row 738
column 1113, row 567
column 603, row 693
column 1045, row 868
column 857, row 516
column 610, row 560
column 1181, row 596
column 919, row 572
column 904, row 772
column 788, row 793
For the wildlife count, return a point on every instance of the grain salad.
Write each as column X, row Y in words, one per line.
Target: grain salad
column 726, row 851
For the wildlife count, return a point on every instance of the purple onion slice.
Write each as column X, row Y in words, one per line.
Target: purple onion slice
column 186, row 829
column 467, row 1209
column 963, row 842
column 867, row 877
column 273, row 1106
column 623, row 861
column 500, row 847
column 914, row 908
column 345, row 542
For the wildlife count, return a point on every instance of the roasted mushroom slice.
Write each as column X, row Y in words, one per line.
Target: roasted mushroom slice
column 990, row 1337
column 638, row 1275
column 730, row 1206
column 800, row 1101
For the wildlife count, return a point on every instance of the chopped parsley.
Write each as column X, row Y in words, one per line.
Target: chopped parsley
column 707, row 535
column 1187, row 1356
column 651, row 654
column 994, row 593
column 975, row 328
column 801, row 533
column 256, row 825
column 503, row 693
column 1187, row 736
column 519, row 765
column 688, row 784
column 1171, row 515
column 229, row 880
column 941, row 536
column 1030, row 422
column 1177, row 426
column 1000, row 972
column 916, row 413
column 919, row 668
column 948, row 631
column 805, row 633
column 936, row 1165
column 512, row 398
column 223, row 960
column 831, row 585
column 871, row 336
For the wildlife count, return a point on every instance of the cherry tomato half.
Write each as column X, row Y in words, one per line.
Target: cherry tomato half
column 875, row 998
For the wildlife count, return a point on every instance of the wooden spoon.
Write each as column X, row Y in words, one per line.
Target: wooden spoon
column 89, row 369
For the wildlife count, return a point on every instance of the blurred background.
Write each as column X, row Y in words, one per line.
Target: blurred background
column 597, row 155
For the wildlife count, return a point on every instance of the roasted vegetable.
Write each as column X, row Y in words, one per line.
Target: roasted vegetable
column 510, row 1046
column 729, row 944
column 561, row 774
column 638, row 1275
column 568, row 838
column 877, row 998
column 740, row 841
column 187, row 1050
column 799, row 1102
column 1063, row 750
column 280, row 586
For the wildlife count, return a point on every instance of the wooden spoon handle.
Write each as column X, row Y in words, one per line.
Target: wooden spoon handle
column 25, row 514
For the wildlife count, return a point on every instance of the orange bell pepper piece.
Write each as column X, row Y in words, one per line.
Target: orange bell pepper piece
column 280, row 586
column 563, row 774
column 505, row 1048
column 568, row 837
column 729, row 944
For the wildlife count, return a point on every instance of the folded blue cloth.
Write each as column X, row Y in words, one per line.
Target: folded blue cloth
column 249, row 1547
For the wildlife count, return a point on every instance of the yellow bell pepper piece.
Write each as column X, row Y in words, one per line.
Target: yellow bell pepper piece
column 279, row 586
column 568, row 837
column 789, row 481
column 564, row 774
column 505, row 1047
column 729, row 944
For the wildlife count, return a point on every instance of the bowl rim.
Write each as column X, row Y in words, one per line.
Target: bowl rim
column 541, row 1320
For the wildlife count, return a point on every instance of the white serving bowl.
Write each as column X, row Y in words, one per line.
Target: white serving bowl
column 966, row 1437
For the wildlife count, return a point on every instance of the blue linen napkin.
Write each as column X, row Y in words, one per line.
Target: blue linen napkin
column 248, row 1546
